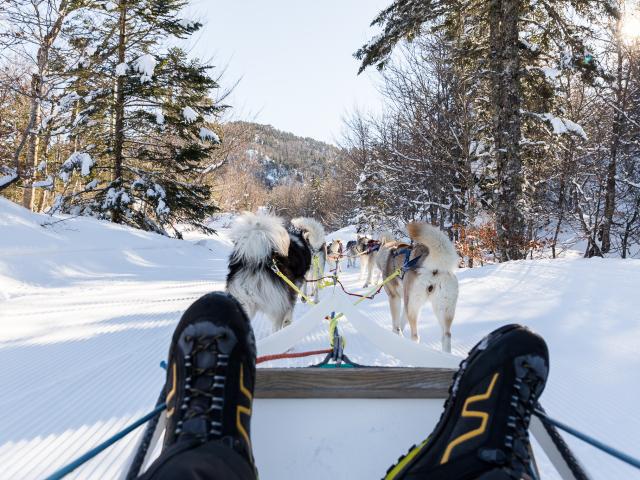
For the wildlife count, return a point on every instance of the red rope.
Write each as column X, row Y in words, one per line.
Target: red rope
column 318, row 279
column 277, row 356
column 371, row 297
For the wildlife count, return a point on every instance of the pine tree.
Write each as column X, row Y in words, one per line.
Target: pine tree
column 371, row 211
column 144, row 116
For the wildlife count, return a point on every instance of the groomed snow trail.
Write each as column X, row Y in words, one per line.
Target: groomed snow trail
column 89, row 309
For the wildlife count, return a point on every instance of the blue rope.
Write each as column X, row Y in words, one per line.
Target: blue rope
column 590, row 440
column 66, row 470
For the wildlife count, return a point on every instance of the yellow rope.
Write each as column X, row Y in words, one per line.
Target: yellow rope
column 316, row 266
column 295, row 288
column 395, row 274
column 317, row 274
column 333, row 321
column 333, row 324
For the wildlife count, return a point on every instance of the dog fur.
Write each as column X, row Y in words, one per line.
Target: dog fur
column 432, row 279
column 258, row 240
column 334, row 254
column 367, row 254
column 351, row 253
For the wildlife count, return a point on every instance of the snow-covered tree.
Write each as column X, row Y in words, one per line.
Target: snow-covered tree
column 144, row 114
column 505, row 40
column 31, row 36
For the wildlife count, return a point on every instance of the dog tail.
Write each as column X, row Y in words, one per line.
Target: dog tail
column 312, row 231
column 442, row 253
column 257, row 236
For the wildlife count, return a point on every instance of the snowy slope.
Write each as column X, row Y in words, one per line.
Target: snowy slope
column 87, row 309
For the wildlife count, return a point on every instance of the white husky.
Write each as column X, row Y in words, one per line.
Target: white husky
column 431, row 279
column 366, row 250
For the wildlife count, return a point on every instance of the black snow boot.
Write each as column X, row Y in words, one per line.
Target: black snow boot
column 483, row 431
column 210, row 377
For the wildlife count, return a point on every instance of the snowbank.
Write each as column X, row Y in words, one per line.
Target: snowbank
column 62, row 251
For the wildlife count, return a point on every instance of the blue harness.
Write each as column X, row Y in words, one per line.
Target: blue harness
column 408, row 264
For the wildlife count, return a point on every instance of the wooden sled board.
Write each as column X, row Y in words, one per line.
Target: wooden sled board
column 370, row 382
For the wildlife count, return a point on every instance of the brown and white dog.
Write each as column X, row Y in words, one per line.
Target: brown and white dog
column 431, row 279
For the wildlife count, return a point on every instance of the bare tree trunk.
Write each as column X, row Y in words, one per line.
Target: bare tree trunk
column 37, row 89
column 33, row 136
column 23, row 141
column 118, row 146
column 505, row 57
column 566, row 162
column 627, row 229
column 556, row 233
column 618, row 121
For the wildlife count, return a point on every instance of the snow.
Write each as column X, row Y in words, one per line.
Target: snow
column 162, row 208
column 9, row 177
column 184, row 23
column 67, row 100
column 206, row 134
column 551, row 73
column 91, row 185
column 562, row 125
column 44, row 183
column 77, row 160
column 159, row 117
column 189, row 115
column 145, row 65
column 121, row 69
column 87, row 309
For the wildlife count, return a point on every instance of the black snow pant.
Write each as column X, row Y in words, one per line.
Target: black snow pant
column 207, row 461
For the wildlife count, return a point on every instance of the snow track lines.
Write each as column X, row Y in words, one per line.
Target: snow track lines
column 85, row 377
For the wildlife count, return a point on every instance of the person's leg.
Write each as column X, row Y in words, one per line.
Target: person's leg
column 208, row 461
column 210, row 380
column 483, row 431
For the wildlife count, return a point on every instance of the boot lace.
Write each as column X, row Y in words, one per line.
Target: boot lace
column 204, row 364
column 526, row 388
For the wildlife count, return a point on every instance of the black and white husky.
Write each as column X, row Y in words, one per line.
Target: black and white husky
column 260, row 240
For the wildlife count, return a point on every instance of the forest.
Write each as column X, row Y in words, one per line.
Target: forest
column 512, row 124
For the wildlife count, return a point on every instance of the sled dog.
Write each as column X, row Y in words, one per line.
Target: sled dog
column 316, row 271
column 431, row 279
column 259, row 241
column 367, row 250
column 334, row 254
column 351, row 253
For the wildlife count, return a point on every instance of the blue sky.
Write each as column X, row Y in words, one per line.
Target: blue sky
column 293, row 58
